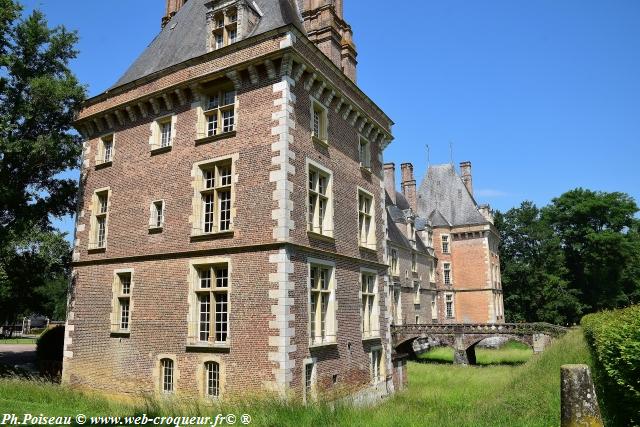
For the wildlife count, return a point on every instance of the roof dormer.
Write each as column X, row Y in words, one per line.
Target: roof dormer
column 230, row 21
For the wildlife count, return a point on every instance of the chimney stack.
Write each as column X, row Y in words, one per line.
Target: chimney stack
column 390, row 180
column 409, row 185
column 465, row 171
column 172, row 8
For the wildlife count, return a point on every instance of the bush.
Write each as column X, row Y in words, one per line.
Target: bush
column 614, row 340
column 49, row 351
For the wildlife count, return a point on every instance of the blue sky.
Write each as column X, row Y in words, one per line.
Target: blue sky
column 541, row 96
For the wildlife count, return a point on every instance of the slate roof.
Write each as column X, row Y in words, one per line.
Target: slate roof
column 397, row 214
column 185, row 35
column 444, row 199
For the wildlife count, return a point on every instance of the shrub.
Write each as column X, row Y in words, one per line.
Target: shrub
column 49, row 351
column 614, row 340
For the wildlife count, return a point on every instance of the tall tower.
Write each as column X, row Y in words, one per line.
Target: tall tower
column 325, row 25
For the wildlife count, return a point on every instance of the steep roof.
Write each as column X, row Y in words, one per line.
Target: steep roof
column 185, row 35
column 445, row 200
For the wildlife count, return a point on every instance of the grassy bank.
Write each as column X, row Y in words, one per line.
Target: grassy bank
column 14, row 341
column 438, row 395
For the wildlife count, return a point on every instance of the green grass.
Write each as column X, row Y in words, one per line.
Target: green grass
column 512, row 353
column 14, row 341
column 438, row 395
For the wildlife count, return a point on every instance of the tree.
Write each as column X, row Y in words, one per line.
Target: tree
column 533, row 270
column 598, row 233
column 39, row 96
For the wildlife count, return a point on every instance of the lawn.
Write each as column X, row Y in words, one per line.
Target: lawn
column 512, row 353
column 14, row 341
column 438, row 395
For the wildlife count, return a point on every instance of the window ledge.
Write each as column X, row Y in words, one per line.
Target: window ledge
column 103, row 165
column 323, row 344
column 161, row 150
column 366, row 169
column 368, row 249
column 211, row 236
column 120, row 334
column 371, row 338
column 213, row 138
column 318, row 236
column 156, row 230
column 319, row 141
column 97, row 250
column 208, row 348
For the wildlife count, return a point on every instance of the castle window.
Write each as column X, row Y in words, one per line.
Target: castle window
column 214, row 204
column 434, row 307
column 219, row 112
column 99, row 220
column 432, row 272
column 449, row 305
column 105, row 150
column 417, row 319
column 122, row 290
column 163, row 132
column 211, row 290
column 446, row 269
column 322, row 313
column 365, row 220
column 309, row 380
column 319, row 121
column 396, row 303
column 320, row 208
column 212, row 379
column 156, row 219
column 414, row 262
column 416, row 290
column 394, row 265
column 370, row 323
column 166, row 376
column 445, row 244
column 364, row 149
column 225, row 28
column 376, row 365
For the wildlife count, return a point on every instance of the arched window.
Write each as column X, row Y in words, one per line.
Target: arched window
column 166, row 376
column 212, row 379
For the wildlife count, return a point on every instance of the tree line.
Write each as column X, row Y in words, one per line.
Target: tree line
column 577, row 255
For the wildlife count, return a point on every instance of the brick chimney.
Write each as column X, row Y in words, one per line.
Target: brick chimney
column 326, row 27
column 172, row 8
column 465, row 172
column 409, row 185
column 390, row 180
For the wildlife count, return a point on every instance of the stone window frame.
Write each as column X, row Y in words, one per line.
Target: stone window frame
column 102, row 160
column 158, row 374
column 319, row 110
column 416, row 290
column 204, row 111
column 154, row 224
column 379, row 376
column 155, row 140
column 417, row 319
column 314, row 227
column 116, row 302
column 394, row 262
column 432, row 271
column 197, row 215
column 370, row 242
column 444, row 275
column 193, row 339
column 228, row 25
column 445, row 239
column 331, row 319
column 446, row 305
column 364, row 153
column 434, row 306
column 374, row 314
column 201, row 376
column 310, row 389
column 98, row 213
column 414, row 262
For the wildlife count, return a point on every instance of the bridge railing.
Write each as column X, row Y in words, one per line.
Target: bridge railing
column 480, row 328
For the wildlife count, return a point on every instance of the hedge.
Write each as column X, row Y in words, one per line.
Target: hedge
column 49, row 351
column 614, row 341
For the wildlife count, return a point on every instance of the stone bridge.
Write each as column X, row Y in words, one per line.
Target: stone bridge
column 464, row 337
